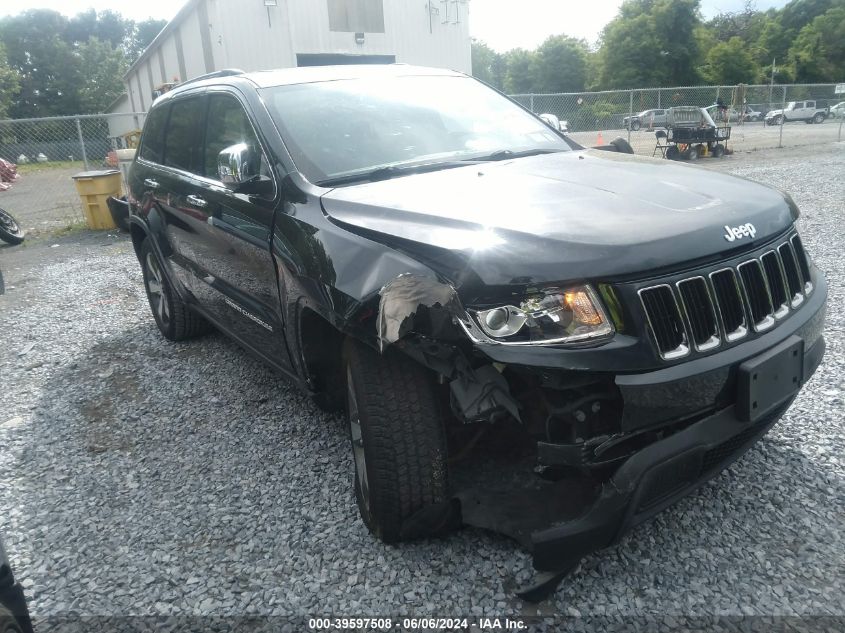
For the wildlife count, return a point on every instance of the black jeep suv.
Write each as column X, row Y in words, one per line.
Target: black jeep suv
column 525, row 335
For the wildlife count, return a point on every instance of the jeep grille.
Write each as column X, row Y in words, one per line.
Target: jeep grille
column 703, row 312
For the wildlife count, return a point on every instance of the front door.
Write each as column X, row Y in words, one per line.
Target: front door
column 239, row 273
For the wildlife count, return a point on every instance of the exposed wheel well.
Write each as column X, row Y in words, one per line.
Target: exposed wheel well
column 321, row 345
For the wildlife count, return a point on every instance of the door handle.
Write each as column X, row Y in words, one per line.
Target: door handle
column 197, row 201
column 152, row 184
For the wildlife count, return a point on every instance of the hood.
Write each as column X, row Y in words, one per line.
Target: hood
column 568, row 216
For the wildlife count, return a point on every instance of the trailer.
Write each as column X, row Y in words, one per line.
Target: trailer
column 691, row 133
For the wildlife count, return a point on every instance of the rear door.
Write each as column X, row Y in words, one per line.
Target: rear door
column 238, row 273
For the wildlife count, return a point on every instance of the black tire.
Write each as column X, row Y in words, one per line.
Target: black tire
column 691, row 154
column 622, row 145
column 175, row 320
column 398, row 438
column 10, row 230
column 8, row 622
column 718, row 151
column 672, row 152
column 635, row 125
column 818, row 118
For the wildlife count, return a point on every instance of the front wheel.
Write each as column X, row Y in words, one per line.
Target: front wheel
column 398, row 438
column 635, row 126
column 10, row 230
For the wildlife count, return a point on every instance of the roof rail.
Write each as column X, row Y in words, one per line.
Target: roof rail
column 227, row 72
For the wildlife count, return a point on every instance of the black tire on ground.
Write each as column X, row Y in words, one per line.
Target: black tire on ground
column 10, row 230
column 622, row 145
column 175, row 320
column 818, row 118
column 718, row 150
column 691, row 154
column 672, row 152
column 398, row 438
column 8, row 623
column 635, row 125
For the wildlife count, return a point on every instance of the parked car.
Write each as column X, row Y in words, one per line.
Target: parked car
column 838, row 110
column 752, row 115
column 451, row 283
column 806, row 111
column 723, row 116
column 646, row 118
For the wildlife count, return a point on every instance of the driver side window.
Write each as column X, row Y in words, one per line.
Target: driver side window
column 228, row 125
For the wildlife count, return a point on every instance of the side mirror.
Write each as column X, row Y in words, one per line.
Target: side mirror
column 551, row 120
column 238, row 168
column 236, row 165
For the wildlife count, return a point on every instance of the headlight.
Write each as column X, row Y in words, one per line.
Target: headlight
column 552, row 315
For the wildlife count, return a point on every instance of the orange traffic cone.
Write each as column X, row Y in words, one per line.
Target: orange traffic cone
column 600, row 140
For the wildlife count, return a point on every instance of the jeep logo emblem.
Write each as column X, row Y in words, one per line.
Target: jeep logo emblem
column 733, row 233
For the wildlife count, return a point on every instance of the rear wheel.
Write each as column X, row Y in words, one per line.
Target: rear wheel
column 398, row 438
column 174, row 318
column 10, row 230
column 691, row 154
column 672, row 152
column 718, row 151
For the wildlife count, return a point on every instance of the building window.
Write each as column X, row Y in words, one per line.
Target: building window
column 356, row 16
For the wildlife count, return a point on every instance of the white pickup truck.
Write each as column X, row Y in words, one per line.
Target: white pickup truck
column 797, row 111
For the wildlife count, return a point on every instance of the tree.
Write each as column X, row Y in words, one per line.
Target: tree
column 818, row 53
column 650, row 43
column 486, row 64
column 10, row 83
column 44, row 61
column 140, row 35
column 521, row 73
column 561, row 65
column 730, row 63
column 104, row 69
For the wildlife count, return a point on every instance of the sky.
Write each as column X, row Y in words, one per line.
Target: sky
column 503, row 24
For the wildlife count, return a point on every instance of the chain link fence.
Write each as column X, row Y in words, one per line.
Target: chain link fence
column 48, row 152
column 635, row 115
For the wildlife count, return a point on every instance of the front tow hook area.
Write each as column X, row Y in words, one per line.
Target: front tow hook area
column 560, row 522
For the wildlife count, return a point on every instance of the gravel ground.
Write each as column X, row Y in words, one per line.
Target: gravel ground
column 142, row 477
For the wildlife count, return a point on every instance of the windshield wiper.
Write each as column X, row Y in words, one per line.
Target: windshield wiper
column 388, row 172
column 506, row 154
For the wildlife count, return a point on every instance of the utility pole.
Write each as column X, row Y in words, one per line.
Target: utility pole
column 772, row 82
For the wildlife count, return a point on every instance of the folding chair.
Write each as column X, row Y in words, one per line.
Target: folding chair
column 661, row 134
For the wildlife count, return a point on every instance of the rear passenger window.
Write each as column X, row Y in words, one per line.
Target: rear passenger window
column 183, row 139
column 152, row 142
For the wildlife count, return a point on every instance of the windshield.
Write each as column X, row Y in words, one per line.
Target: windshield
column 335, row 129
column 790, row 105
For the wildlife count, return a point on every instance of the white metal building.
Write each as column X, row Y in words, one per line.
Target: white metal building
column 209, row 35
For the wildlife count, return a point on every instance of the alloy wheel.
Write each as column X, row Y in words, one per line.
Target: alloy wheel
column 357, row 435
column 155, row 288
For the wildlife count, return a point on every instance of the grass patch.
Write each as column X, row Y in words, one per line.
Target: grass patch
column 76, row 226
column 31, row 168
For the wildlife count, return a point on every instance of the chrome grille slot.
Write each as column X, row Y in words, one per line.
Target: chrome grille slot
column 803, row 264
column 793, row 275
column 729, row 304
column 699, row 313
column 777, row 283
column 664, row 319
column 757, row 295
column 702, row 312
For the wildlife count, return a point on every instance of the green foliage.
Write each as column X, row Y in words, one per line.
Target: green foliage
column 62, row 66
column 730, row 63
column 665, row 43
column 561, row 65
column 818, row 53
column 10, row 83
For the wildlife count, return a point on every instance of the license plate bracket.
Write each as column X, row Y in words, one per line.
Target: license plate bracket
column 767, row 380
